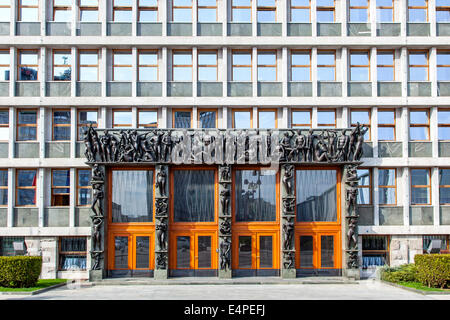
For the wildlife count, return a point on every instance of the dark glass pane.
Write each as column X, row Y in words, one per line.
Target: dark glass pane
column 194, row 195
column 255, row 195
column 363, row 177
column 4, row 117
column 420, row 196
column 183, row 252
column 72, row 262
column 265, row 252
column 363, row 196
column 419, row 177
column 245, row 252
column 26, row 197
column 7, row 246
column 327, row 251
column 61, row 133
column 204, row 251
column 444, row 196
column 26, row 178
column 207, row 119
column 84, row 178
column 386, row 177
column 426, row 240
column 73, row 244
column 316, row 201
column 84, row 197
column 374, row 243
column 121, row 253
column 4, row 178
column 142, row 252
column 3, row 197
column 444, row 177
column 182, row 119
column 306, row 251
column 27, row 117
column 27, row 134
column 386, row 195
column 132, row 196
column 61, row 178
column 28, row 73
column 61, row 117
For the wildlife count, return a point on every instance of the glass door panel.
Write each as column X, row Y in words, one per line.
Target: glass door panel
column 306, row 252
column 203, row 253
column 183, row 252
column 121, row 252
column 265, row 251
column 245, row 252
column 327, row 251
column 142, row 252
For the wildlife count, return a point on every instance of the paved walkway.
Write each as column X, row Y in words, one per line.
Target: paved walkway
column 362, row 290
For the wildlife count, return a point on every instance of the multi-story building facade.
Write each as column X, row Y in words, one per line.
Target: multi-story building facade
column 227, row 64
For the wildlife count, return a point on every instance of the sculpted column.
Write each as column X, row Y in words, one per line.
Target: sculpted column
column 288, row 221
column 161, row 222
column 225, row 221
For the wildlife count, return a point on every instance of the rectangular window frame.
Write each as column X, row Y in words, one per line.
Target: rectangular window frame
column 443, row 65
column 327, row 65
column 174, row 7
column 208, row 7
column 369, row 187
column 350, row 8
column 389, row 187
column 20, row 65
column 5, row 125
column 328, row 8
column 6, row 51
column 139, row 65
column 360, row 65
column 139, row 125
column 86, row 8
column 199, row 52
column 53, row 187
column 26, row 188
column 27, row 124
column 419, row 7
column 80, row 52
column 421, row 186
column 389, row 125
column 353, row 125
column 300, row 126
column 181, row 110
column 300, row 7
column 427, row 66
column 20, row 7
column 292, row 65
column 114, row 65
column 147, row 8
column 119, row 8
column 175, row 52
column 443, row 125
column 89, row 186
column 59, row 51
column 385, row 252
column 387, row 65
column 387, row 8
column 54, row 125
column 63, row 253
column 60, row 8
column 420, row 125
column 241, row 51
column 233, row 7
column 206, row 110
column 233, row 111
column 443, row 186
column 267, row 8
column 121, row 125
column 79, row 125
column 258, row 66
column 326, row 124
column 275, row 110
column 5, row 187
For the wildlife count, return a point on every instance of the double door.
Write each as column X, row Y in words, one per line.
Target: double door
column 131, row 254
column 193, row 253
column 256, row 253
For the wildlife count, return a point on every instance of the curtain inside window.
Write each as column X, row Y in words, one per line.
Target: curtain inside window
column 255, row 195
column 73, row 262
column 316, row 195
column 193, row 195
column 132, row 196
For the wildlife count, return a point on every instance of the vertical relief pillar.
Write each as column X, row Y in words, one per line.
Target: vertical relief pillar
column 98, row 234
column 161, row 222
column 288, row 221
column 351, row 262
column 225, row 221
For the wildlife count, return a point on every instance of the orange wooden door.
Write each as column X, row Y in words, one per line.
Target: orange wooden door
column 255, row 250
column 318, row 250
column 193, row 250
column 131, row 251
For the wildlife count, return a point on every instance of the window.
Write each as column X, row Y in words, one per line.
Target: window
column 300, row 11
column 26, row 125
column 267, row 65
column 147, row 118
column 62, row 65
column 84, row 188
column 442, row 11
column 207, row 10
column 444, row 186
column 132, row 196
column 122, row 118
column 301, row 118
column 444, row 124
column 359, row 10
column 207, row 118
column 62, row 10
column 28, row 10
column 426, row 240
column 241, row 10
column 255, row 195
column 60, row 187
column 241, row 65
column 181, row 10
column 242, row 119
column 364, row 186
column 325, row 10
column 88, row 65
column 4, row 125
column 182, row 118
column 3, row 187
column 148, row 11
column 326, row 118
column 387, row 186
column 182, row 66
column 61, row 125
column 266, row 11
column 28, row 65
column 443, row 65
column 122, row 10
column 86, row 118
column 26, row 187
column 375, row 251
column 420, row 186
column 7, row 246
column 88, row 10
column 361, row 116
column 359, row 66
column 385, row 10
column 419, row 125
column 326, row 65
column 4, row 65
column 418, row 66
column 122, row 65
column 267, row 119
column 301, row 65
column 147, row 65
column 385, row 65
column 194, row 194
column 5, row 10
column 386, row 125
column 417, row 10
column 72, row 253
column 207, row 65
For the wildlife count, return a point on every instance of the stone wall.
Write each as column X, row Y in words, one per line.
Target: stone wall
column 47, row 247
column 404, row 248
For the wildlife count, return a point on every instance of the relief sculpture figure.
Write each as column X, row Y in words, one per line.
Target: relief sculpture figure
column 161, row 229
column 351, row 234
column 225, row 261
column 225, row 199
column 288, row 179
column 161, row 182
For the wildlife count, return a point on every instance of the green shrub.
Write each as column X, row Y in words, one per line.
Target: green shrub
column 403, row 273
column 433, row 270
column 19, row 271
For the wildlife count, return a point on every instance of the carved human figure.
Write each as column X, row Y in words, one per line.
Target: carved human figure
column 96, row 234
column 88, row 145
column 225, row 199
column 225, row 261
column 351, row 234
column 161, row 261
column 161, row 182
column 166, row 146
column 299, row 151
column 352, row 141
column 161, row 207
column 352, row 260
column 161, row 228
column 331, row 135
column 288, row 179
column 97, row 193
column 288, row 259
column 96, row 256
column 342, row 146
column 225, row 173
column 97, row 173
column 288, row 231
column 96, row 148
column 225, row 227
column 359, row 144
column 285, row 145
column 289, row 206
column 352, row 194
column 321, row 152
column 309, row 145
column 105, row 143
